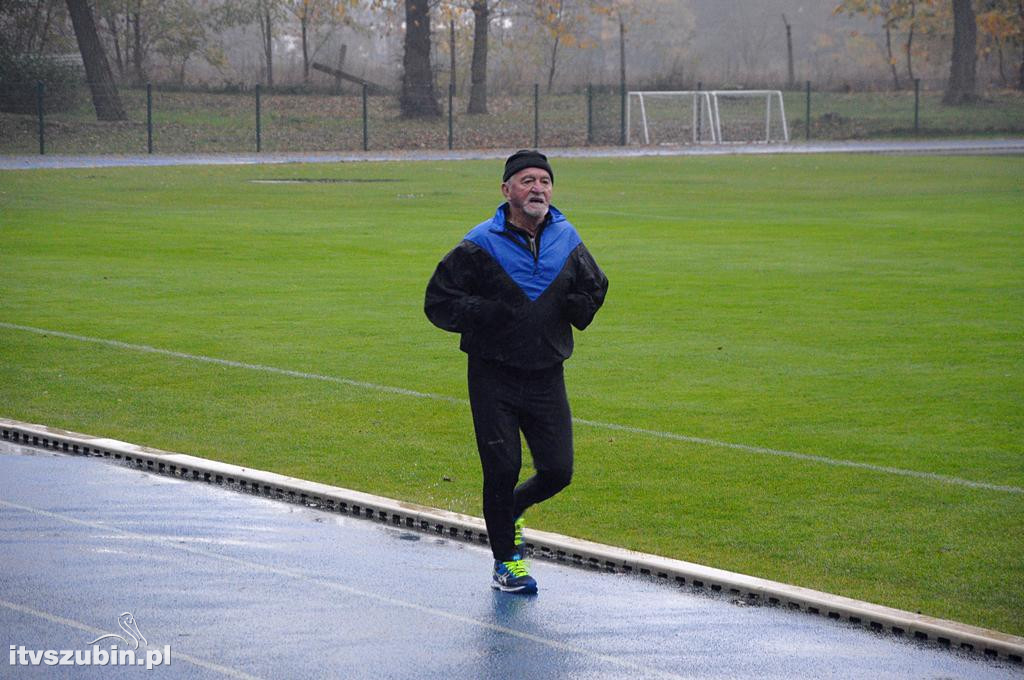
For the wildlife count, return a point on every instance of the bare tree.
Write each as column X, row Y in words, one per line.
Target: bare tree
column 791, row 77
column 565, row 22
column 896, row 15
column 105, row 98
column 910, row 40
column 28, row 24
column 1001, row 26
column 265, row 18
column 138, row 53
column 1020, row 75
column 963, row 65
column 304, row 14
column 478, row 69
column 113, row 22
column 183, row 34
column 888, row 25
column 417, row 99
column 310, row 13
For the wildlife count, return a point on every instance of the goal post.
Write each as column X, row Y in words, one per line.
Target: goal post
column 713, row 116
column 744, row 115
column 666, row 111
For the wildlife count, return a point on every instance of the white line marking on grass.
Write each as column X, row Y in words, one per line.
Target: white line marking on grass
column 804, row 456
column 327, row 584
column 236, row 364
column 670, row 436
column 71, row 623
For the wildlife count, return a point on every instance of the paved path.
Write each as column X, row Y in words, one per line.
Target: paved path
column 242, row 586
column 938, row 146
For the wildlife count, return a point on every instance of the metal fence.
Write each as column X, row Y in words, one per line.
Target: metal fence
column 36, row 118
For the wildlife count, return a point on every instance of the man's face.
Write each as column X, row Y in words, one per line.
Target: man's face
column 529, row 191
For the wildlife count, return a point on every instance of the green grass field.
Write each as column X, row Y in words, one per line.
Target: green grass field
column 864, row 309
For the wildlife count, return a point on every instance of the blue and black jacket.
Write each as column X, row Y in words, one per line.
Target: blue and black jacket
column 513, row 297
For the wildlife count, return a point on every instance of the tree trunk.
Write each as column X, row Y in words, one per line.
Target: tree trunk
column 910, row 42
column 451, row 50
column 1002, row 68
column 304, row 20
column 1020, row 76
column 622, row 80
column 46, row 29
column 139, row 72
column 31, row 34
column 113, row 25
column 962, row 69
column 417, row 99
column 478, row 87
column 268, row 45
column 622, row 52
column 892, row 60
column 791, row 78
column 341, row 67
column 557, row 25
column 105, row 98
column 554, row 61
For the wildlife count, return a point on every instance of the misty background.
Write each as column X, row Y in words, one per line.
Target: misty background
column 669, row 44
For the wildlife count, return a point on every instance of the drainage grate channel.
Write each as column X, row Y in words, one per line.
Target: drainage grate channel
column 741, row 588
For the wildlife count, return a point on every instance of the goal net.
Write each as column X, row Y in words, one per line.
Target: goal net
column 679, row 117
column 706, row 116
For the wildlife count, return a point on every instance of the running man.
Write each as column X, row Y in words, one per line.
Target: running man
column 512, row 288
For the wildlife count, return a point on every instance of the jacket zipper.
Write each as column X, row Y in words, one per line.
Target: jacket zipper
column 530, row 243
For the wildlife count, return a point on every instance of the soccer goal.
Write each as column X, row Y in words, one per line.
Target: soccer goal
column 712, row 116
column 746, row 116
column 670, row 117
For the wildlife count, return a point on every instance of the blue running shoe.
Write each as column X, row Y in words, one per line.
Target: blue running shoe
column 513, row 576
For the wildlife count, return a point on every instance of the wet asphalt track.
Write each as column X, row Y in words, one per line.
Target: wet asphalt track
column 981, row 146
column 242, row 586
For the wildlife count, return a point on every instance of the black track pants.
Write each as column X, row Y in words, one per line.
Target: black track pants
column 505, row 401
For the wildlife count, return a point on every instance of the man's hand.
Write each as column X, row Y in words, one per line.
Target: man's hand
column 579, row 309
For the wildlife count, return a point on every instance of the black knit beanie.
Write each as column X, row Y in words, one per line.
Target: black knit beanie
column 526, row 158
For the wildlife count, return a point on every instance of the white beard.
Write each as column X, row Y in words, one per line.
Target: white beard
column 535, row 209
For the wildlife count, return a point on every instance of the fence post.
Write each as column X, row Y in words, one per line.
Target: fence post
column 259, row 132
column 807, row 121
column 451, row 105
column 149, row 117
column 366, row 125
column 536, row 115
column 40, row 91
column 917, row 105
column 590, row 114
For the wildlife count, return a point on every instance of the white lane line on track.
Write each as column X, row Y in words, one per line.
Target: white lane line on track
column 71, row 623
column 670, row 436
column 320, row 582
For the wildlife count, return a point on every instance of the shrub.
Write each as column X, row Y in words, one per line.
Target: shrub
column 19, row 74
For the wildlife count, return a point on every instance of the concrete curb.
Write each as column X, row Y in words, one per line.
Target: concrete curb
column 543, row 544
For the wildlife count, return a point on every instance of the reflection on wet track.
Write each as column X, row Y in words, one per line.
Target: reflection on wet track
column 243, row 586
